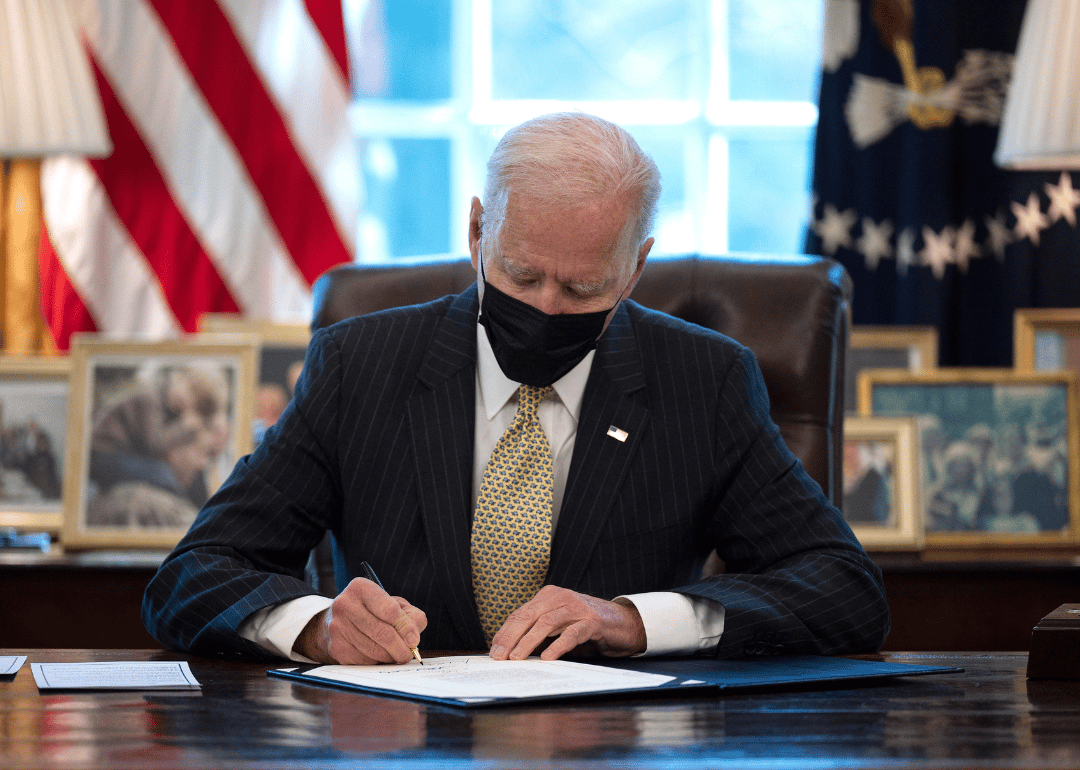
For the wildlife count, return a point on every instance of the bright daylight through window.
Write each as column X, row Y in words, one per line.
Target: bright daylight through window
column 722, row 94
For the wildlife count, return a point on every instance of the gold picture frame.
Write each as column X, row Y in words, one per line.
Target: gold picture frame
column 34, row 393
column 153, row 429
column 267, row 332
column 1046, row 339
column 1000, row 452
column 913, row 348
column 882, row 486
column 282, row 347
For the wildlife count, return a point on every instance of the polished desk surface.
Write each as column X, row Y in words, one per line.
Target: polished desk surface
column 990, row 716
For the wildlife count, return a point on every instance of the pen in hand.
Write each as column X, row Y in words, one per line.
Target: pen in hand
column 369, row 573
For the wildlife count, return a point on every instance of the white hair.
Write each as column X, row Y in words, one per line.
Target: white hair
column 576, row 159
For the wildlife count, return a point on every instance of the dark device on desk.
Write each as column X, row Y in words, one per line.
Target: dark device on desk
column 1055, row 645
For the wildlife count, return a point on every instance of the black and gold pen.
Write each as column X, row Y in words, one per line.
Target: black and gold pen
column 369, row 573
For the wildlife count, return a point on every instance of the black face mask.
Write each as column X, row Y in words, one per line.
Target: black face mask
column 531, row 346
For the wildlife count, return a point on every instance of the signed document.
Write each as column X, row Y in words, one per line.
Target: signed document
column 478, row 681
column 475, row 679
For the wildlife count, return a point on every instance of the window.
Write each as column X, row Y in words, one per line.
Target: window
column 721, row 93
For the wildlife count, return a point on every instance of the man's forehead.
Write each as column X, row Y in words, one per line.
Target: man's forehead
column 525, row 207
column 592, row 228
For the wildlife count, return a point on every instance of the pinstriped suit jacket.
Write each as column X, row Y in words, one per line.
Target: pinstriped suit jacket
column 377, row 447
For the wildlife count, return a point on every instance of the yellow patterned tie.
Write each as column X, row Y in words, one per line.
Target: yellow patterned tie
column 511, row 533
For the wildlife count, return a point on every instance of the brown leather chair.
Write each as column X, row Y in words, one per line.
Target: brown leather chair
column 793, row 313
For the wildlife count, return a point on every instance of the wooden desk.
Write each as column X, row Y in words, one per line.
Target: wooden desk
column 989, row 716
column 90, row 599
column 973, row 605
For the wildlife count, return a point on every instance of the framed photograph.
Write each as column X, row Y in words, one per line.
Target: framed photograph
column 999, row 451
column 281, row 357
column 1046, row 339
column 33, row 435
column 913, row 348
column 153, row 430
column 882, row 483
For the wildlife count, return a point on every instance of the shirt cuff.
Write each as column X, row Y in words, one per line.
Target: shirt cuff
column 676, row 624
column 276, row 627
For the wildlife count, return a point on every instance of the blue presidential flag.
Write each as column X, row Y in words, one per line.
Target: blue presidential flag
column 906, row 193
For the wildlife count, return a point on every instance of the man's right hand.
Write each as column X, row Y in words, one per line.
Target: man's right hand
column 364, row 625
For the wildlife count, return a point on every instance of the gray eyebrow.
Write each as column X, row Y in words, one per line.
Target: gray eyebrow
column 587, row 288
column 518, row 271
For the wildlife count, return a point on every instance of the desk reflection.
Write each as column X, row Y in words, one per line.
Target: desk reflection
column 267, row 718
column 359, row 724
column 989, row 716
column 323, row 723
column 542, row 734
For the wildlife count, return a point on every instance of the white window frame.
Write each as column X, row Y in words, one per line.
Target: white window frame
column 709, row 120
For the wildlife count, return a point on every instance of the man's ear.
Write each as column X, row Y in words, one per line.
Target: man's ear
column 476, row 211
column 643, row 252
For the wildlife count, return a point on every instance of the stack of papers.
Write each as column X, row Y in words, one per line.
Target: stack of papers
column 164, row 675
column 10, row 664
column 479, row 679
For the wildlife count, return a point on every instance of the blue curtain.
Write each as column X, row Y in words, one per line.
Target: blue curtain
column 906, row 193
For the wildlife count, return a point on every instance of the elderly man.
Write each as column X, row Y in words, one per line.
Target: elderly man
column 536, row 465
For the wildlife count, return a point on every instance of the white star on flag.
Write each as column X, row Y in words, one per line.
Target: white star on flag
column 1030, row 221
column 1063, row 200
column 966, row 248
column 874, row 242
column 834, row 228
column 905, row 250
column 938, row 252
column 1000, row 234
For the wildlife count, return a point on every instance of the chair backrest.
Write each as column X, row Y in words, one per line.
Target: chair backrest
column 793, row 313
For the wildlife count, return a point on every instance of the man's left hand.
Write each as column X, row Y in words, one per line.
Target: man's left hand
column 578, row 622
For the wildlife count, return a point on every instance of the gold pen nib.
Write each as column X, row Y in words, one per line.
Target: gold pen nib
column 416, row 654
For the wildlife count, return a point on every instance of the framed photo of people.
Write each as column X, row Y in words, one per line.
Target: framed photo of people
column 999, row 451
column 282, row 347
column 33, row 434
column 913, row 348
column 1046, row 339
column 153, row 430
column 882, row 486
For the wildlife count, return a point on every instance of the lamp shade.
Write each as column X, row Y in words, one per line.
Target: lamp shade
column 1040, row 129
column 49, row 102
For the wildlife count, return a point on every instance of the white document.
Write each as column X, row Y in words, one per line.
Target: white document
column 10, row 664
column 477, row 678
column 137, row 675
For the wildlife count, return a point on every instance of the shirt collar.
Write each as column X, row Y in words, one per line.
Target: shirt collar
column 496, row 388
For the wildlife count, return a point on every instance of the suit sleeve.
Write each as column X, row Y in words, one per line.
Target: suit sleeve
column 796, row 579
column 248, row 546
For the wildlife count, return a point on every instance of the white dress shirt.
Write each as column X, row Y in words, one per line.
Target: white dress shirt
column 674, row 623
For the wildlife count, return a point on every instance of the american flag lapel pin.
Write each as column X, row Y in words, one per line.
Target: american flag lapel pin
column 617, row 433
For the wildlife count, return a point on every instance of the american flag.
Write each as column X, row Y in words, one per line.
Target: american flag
column 908, row 198
column 234, row 181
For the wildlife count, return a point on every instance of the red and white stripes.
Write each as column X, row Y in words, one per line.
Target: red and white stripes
column 234, row 181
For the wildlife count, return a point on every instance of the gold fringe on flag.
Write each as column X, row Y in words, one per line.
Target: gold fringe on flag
column 23, row 329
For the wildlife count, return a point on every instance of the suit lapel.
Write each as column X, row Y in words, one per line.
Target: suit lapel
column 442, row 424
column 600, row 461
